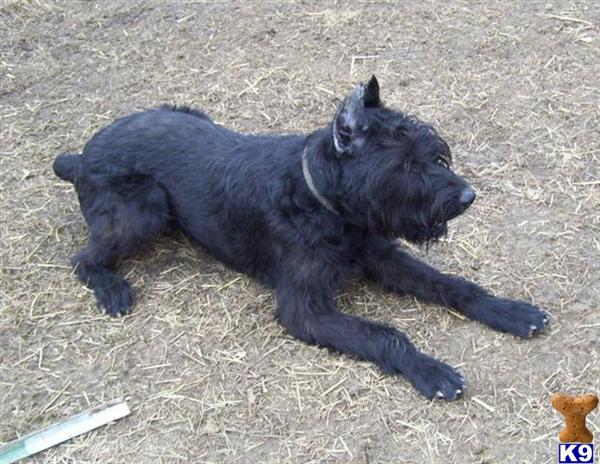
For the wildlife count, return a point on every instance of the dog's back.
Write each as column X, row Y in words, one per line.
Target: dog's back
column 67, row 166
column 215, row 184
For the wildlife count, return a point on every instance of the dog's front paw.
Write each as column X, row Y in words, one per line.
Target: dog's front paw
column 511, row 316
column 434, row 379
column 113, row 295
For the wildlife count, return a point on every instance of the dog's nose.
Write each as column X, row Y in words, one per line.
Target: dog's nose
column 467, row 196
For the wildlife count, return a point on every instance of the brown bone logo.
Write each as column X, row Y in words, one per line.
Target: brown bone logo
column 575, row 408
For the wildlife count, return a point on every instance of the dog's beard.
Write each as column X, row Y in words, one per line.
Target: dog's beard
column 437, row 228
column 427, row 234
column 437, row 231
column 421, row 229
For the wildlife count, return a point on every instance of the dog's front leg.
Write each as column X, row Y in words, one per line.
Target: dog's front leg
column 307, row 309
column 404, row 274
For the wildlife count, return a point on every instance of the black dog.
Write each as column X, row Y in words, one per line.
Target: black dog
column 299, row 213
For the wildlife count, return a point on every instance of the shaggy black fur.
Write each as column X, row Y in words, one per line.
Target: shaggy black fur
column 245, row 199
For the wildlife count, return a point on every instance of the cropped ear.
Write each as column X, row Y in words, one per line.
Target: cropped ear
column 347, row 122
column 371, row 98
column 342, row 128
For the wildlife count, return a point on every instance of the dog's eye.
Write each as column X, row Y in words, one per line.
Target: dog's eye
column 442, row 162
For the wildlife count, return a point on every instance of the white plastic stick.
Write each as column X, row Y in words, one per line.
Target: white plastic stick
column 62, row 431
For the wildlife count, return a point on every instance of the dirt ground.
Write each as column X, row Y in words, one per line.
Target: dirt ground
column 209, row 375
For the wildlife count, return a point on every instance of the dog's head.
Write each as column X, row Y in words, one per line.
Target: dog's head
column 395, row 170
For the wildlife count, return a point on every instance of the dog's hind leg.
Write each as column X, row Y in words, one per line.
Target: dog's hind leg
column 306, row 308
column 123, row 215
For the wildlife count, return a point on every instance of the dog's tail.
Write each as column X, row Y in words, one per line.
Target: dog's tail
column 67, row 166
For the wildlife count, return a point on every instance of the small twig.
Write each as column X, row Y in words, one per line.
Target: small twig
column 484, row 405
column 53, row 400
column 569, row 19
